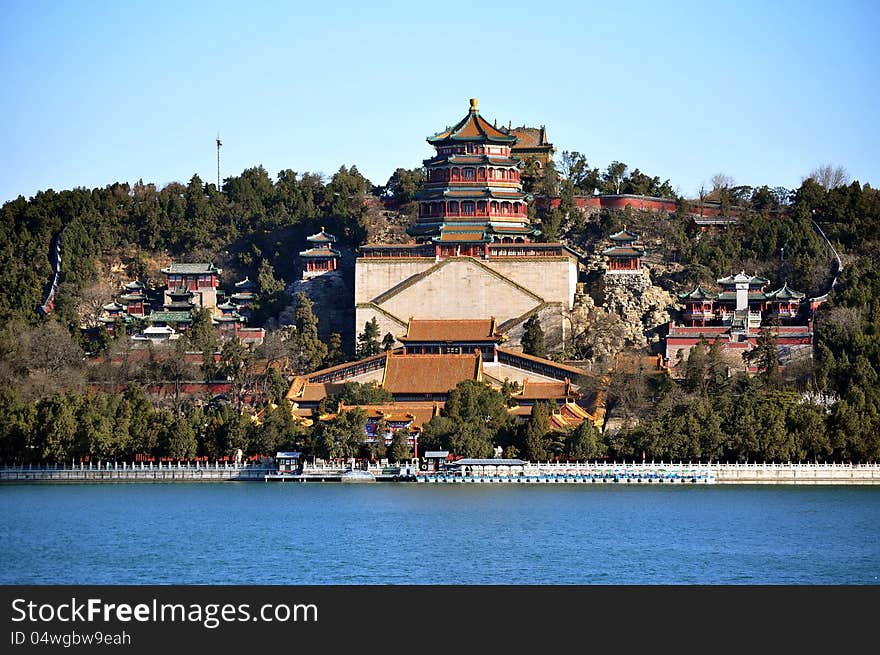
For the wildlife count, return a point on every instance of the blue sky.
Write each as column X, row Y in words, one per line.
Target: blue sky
column 99, row 92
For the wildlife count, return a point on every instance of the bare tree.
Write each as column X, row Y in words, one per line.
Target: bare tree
column 274, row 347
column 50, row 349
column 703, row 195
column 829, row 176
column 722, row 181
column 91, row 302
column 47, row 360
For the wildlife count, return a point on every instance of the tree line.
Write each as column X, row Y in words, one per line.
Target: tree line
column 256, row 219
column 826, row 407
column 829, row 410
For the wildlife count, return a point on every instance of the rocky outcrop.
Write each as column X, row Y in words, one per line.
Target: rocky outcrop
column 631, row 309
column 385, row 226
column 331, row 294
column 597, row 335
column 641, row 305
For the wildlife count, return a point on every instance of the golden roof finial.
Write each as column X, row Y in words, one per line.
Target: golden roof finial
column 474, row 104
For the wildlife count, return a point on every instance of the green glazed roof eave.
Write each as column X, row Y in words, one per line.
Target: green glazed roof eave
column 698, row 293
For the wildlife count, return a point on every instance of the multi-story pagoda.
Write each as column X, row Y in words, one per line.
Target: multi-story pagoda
column 178, row 300
column 741, row 301
column 228, row 321
column 135, row 299
column 114, row 313
column 474, row 254
column 785, row 303
column 473, row 195
column 625, row 256
column 132, row 305
column 244, row 294
column 320, row 257
column 700, row 306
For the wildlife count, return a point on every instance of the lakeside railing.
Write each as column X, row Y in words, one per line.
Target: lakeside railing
column 133, row 466
column 133, row 471
column 325, row 467
column 735, row 472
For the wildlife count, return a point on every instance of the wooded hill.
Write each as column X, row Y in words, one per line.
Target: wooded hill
column 255, row 223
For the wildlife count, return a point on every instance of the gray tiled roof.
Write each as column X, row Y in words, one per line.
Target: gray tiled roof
column 192, row 269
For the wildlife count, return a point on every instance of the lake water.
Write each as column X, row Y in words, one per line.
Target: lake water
column 254, row 533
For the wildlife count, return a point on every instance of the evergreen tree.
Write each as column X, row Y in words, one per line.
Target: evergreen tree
column 334, row 350
column 470, row 422
column 181, row 440
column 307, row 350
column 342, row 436
column 388, row 342
column 766, row 358
column 276, row 431
column 275, row 385
column 585, row 442
column 548, row 183
column 369, row 393
column 378, row 448
column 272, row 298
column 404, row 185
column 400, row 448
column 552, row 223
column 56, row 432
column 533, row 337
column 535, row 433
column 201, row 335
column 17, row 425
column 368, row 340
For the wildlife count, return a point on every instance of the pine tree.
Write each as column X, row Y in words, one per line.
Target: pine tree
column 535, row 433
column 201, row 335
column 307, row 350
column 181, row 440
column 766, row 358
column 368, row 340
column 272, row 297
column 400, row 449
column 585, row 442
column 334, row 350
column 388, row 342
column 533, row 337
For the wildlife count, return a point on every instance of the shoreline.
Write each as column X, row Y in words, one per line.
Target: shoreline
column 539, row 473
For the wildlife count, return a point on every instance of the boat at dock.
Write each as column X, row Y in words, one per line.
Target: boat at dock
column 356, row 475
column 639, row 475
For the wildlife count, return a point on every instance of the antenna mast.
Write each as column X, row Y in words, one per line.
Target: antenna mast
column 218, row 160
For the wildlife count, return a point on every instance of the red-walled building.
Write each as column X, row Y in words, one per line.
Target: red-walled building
column 737, row 315
column 625, row 256
column 320, row 258
column 201, row 280
column 473, row 193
